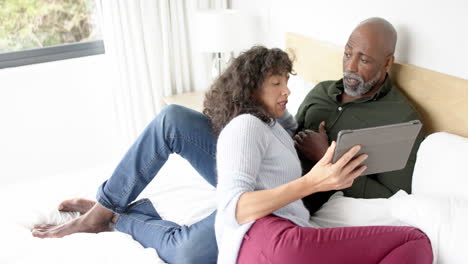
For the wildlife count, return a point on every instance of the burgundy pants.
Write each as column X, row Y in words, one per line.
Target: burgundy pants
column 276, row 240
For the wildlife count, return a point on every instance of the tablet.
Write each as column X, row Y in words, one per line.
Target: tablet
column 388, row 146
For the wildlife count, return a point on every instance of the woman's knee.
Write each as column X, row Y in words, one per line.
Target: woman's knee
column 416, row 234
column 173, row 109
column 172, row 113
column 416, row 250
column 180, row 118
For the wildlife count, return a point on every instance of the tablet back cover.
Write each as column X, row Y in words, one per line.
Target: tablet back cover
column 388, row 146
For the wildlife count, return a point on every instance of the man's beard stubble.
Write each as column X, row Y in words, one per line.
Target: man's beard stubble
column 362, row 87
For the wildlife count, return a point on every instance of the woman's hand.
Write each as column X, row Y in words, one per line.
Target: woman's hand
column 326, row 176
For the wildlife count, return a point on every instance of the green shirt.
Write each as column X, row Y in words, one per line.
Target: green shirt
column 387, row 106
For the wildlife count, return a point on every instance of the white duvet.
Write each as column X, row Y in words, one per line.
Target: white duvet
column 182, row 196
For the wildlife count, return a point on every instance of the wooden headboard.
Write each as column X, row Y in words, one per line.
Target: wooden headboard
column 441, row 99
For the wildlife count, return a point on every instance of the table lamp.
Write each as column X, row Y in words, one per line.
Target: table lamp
column 224, row 31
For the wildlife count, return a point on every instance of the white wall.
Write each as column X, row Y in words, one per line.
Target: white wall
column 432, row 34
column 56, row 117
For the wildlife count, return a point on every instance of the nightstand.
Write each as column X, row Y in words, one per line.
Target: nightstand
column 193, row 100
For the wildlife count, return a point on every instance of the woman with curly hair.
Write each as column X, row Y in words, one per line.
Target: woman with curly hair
column 190, row 134
column 260, row 216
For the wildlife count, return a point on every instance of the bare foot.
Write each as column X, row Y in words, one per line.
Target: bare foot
column 96, row 220
column 76, row 205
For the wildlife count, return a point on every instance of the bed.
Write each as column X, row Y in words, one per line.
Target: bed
column 438, row 206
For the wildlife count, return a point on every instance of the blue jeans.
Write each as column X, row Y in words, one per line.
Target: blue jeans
column 175, row 129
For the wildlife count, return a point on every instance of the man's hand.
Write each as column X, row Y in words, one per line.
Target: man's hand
column 312, row 145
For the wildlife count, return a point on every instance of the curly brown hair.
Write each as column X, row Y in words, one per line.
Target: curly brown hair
column 233, row 92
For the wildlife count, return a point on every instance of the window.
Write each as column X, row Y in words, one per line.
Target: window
column 35, row 31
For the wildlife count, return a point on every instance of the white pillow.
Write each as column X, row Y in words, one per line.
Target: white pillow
column 441, row 165
column 299, row 89
column 341, row 211
column 443, row 218
column 439, row 203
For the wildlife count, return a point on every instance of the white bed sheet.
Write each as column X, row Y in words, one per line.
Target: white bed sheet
column 179, row 195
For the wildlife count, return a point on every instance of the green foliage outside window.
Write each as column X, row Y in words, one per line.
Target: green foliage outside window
column 26, row 24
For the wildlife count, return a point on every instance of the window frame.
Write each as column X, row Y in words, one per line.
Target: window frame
column 52, row 53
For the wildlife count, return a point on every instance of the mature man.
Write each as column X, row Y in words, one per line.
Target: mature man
column 366, row 98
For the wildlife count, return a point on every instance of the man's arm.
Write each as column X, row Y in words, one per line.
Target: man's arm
column 316, row 94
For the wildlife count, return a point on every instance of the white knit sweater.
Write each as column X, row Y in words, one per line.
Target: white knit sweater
column 252, row 155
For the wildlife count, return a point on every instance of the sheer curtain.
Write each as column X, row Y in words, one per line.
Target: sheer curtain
column 148, row 43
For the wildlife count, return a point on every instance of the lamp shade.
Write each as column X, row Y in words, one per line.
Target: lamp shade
column 225, row 30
